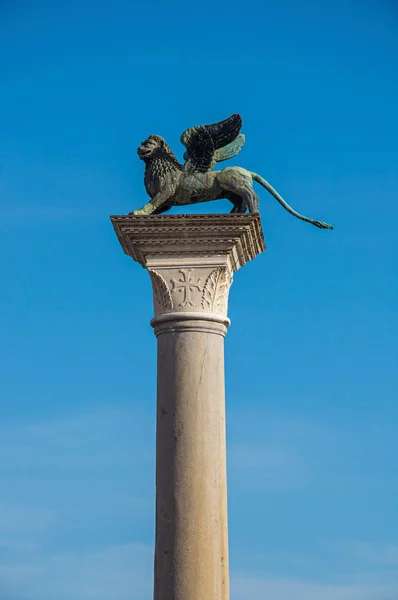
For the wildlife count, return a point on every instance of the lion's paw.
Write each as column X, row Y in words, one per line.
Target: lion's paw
column 134, row 213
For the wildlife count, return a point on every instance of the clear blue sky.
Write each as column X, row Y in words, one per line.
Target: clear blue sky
column 312, row 353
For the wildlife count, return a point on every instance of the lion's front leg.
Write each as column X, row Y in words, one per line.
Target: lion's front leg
column 159, row 199
column 147, row 209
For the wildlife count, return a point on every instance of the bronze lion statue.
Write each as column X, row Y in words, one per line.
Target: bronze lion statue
column 170, row 183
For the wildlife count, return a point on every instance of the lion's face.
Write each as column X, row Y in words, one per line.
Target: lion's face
column 147, row 148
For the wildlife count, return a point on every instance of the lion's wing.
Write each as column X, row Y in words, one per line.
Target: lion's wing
column 203, row 143
column 230, row 150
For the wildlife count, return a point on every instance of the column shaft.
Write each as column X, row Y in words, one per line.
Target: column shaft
column 191, row 554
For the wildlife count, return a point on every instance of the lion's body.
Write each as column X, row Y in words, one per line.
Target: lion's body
column 172, row 186
column 196, row 187
column 192, row 188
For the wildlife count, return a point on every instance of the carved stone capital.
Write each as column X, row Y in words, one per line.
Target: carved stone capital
column 191, row 289
column 191, row 258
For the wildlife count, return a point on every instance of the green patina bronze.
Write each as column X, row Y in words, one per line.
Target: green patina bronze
column 169, row 183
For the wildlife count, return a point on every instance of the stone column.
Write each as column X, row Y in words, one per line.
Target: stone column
column 191, row 260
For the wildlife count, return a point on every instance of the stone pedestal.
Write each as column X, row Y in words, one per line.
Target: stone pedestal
column 191, row 260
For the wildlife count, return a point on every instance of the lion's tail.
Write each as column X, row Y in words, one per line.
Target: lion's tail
column 285, row 205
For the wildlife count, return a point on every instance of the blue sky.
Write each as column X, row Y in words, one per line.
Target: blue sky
column 311, row 356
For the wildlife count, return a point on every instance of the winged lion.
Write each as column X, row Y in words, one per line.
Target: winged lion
column 170, row 183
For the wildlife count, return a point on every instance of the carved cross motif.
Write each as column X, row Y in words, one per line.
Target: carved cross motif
column 186, row 285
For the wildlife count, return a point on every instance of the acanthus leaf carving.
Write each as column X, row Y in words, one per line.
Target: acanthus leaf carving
column 162, row 299
column 215, row 291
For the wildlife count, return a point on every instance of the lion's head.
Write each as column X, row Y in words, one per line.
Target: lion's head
column 155, row 147
column 154, row 143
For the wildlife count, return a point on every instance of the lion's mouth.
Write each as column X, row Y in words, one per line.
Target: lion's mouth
column 143, row 152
